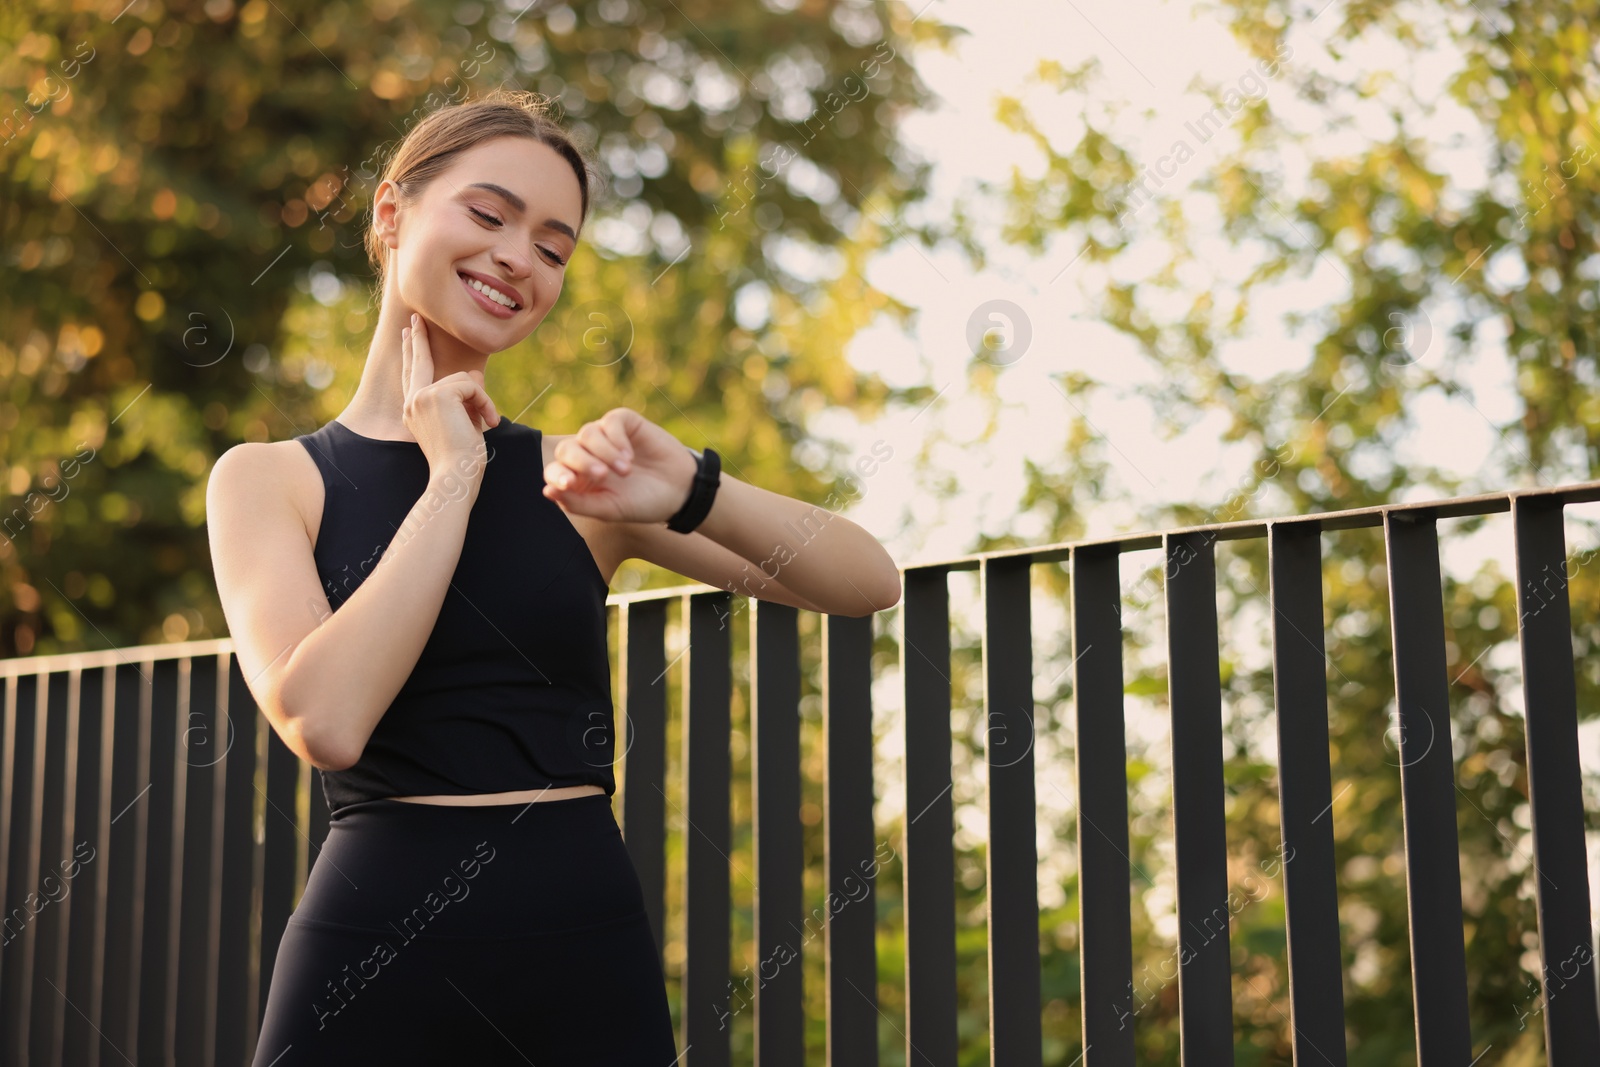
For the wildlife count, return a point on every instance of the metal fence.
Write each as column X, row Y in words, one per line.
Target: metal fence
column 155, row 832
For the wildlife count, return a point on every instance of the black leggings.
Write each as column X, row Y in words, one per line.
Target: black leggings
column 486, row 934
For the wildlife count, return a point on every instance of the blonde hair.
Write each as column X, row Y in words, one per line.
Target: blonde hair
column 430, row 147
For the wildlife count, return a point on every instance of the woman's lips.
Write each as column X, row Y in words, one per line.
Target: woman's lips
column 499, row 311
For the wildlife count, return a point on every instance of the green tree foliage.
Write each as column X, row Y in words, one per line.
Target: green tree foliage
column 184, row 191
column 1421, row 269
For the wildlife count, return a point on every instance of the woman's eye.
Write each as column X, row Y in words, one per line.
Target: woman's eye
column 555, row 257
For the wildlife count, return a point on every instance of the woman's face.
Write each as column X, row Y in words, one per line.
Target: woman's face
column 504, row 215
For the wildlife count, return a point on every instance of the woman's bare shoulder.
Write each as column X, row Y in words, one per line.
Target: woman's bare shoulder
column 284, row 469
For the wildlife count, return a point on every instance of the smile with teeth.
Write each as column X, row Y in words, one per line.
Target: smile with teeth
column 493, row 294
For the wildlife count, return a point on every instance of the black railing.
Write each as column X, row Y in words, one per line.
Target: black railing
column 155, row 833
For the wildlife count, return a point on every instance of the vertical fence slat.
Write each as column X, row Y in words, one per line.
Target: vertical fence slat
column 10, row 974
column 779, row 854
column 213, row 764
column 1427, row 784
column 1305, row 796
column 40, row 818
column 1555, row 785
column 707, row 766
column 173, row 717
column 929, row 853
column 103, row 860
column 851, row 860
column 127, row 860
column 86, row 868
column 59, row 795
column 199, row 745
column 162, row 887
column 1205, row 989
column 237, row 986
column 1105, row 898
column 20, row 928
column 641, row 635
column 49, row 739
column 1015, row 1027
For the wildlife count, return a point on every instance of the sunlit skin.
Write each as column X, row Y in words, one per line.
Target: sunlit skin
column 428, row 242
column 509, row 211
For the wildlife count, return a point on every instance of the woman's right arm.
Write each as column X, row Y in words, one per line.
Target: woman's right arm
column 324, row 678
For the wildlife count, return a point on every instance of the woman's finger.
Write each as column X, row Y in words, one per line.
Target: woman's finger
column 421, row 354
column 557, row 478
column 563, row 476
column 468, row 387
column 485, row 405
column 579, row 459
column 615, row 431
column 569, row 475
column 620, row 425
column 575, row 501
column 602, row 442
column 562, row 484
column 472, row 397
column 482, row 408
column 554, row 492
column 405, row 364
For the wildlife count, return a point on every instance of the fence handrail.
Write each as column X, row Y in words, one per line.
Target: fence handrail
column 1056, row 551
column 1246, row 529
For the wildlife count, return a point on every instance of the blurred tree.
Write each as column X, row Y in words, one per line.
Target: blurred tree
column 184, row 188
column 1439, row 255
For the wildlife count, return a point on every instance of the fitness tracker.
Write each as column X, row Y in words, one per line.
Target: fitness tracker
column 707, row 476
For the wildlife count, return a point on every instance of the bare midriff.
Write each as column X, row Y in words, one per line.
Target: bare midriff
column 565, row 792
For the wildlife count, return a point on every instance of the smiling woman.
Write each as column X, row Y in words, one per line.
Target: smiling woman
column 498, row 201
column 454, row 687
column 450, row 691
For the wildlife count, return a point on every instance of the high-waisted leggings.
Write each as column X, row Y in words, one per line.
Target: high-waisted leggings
column 485, row 934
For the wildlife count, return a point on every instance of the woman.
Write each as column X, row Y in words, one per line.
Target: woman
column 416, row 592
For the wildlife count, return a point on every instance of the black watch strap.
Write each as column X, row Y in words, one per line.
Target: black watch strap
column 707, row 476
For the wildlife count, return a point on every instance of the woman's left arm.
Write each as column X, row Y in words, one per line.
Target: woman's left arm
column 819, row 554
column 624, row 468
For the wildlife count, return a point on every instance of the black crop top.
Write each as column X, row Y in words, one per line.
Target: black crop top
column 513, row 688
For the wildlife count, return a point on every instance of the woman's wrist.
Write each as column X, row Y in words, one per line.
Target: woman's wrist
column 699, row 492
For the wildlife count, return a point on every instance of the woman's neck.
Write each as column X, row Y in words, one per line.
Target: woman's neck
column 377, row 408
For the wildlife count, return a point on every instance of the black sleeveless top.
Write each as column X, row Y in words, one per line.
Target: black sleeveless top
column 513, row 688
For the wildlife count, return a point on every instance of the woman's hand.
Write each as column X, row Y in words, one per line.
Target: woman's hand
column 621, row 467
column 448, row 416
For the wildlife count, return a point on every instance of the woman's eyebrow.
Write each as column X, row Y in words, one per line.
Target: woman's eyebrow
column 521, row 205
